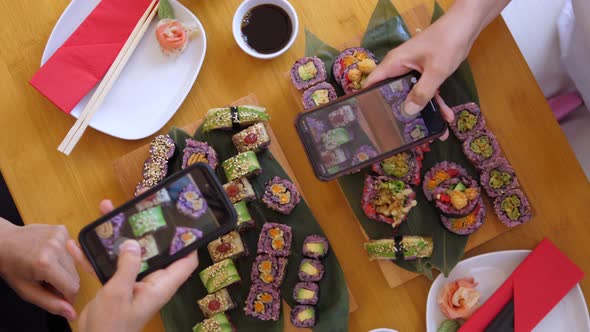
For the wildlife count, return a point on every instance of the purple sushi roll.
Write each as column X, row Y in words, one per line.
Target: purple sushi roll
column 387, row 200
column 513, row 208
column 198, row 152
column 363, row 153
column 396, row 91
column 399, row 114
column 191, row 202
column 306, row 293
column 275, row 240
column 311, row 270
column 457, row 197
column 317, row 128
column 281, row 195
column 315, row 246
column 319, row 94
column 263, row 302
column 438, row 174
column 481, row 149
column 342, row 117
column 162, row 147
column 335, row 157
column 154, row 171
column 468, row 120
column 468, row 224
column 498, row 177
column 307, row 71
column 349, row 57
column 269, row 270
column 183, row 236
column 403, row 166
column 415, row 130
column 303, row 316
column 108, row 232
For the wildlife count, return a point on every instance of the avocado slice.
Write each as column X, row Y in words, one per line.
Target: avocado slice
column 381, row 249
column 316, row 248
column 320, row 96
column 306, row 314
column 309, row 269
column 307, row 71
column 305, row 294
column 459, row 187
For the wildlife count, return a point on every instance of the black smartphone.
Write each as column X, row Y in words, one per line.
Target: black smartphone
column 182, row 213
column 367, row 126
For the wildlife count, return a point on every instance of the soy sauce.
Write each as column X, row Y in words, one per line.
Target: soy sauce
column 267, row 28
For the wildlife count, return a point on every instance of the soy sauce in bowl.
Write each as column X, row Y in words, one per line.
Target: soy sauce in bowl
column 266, row 28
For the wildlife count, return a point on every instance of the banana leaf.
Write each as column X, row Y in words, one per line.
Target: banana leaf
column 387, row 30
column 182, row 312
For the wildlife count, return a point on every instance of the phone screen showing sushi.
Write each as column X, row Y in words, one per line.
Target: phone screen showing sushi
column 179, row 215
column 362, row 128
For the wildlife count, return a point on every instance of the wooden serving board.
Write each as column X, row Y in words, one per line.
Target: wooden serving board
column 129, row 172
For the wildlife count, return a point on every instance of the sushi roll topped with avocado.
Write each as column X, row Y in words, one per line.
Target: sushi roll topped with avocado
column 513, row 208
column 307, row 71
column 457, row 197
column 498, row 177
column 402, row 166
column 481, row 149
column 468, row 120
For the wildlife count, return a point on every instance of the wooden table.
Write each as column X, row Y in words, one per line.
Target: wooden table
column 52, row 188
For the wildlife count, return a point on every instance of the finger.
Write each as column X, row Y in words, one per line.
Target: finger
column 392, row 65
column 444, row 136
column 128, row 266
column 47, row 300
column 79, row 257
column 67, row 264
column 64, row 282
column 422, row 92
column 447, row 113
column 106, row 206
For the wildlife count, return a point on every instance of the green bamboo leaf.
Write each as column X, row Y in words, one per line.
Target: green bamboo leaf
column 316, row 47
column 165, row 10
column 385, row 31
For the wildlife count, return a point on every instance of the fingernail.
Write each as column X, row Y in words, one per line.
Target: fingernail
column 68, row 314
column 130, row 246
column 410, row 108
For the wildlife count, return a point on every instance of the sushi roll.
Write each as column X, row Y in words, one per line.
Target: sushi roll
column 281, row 195
column 414, row 247
column 269, row 270
column 154, row 171
column 226, row 246
column 191, row 202
column 481, row 149
column 396, row 91
column 159, row 198
column 245, row 220
column 147, row 221
column 162, row 146
column 468, row 224
column 404, row 248
column 239, row 190
column 334, row 157
column 149, row 247
column 306, row 293
column 219, row 275
column 217, row 323
column 315, row 246
column 336, row 137
column 402, row 166
column 303, row 316
column 362, row 154
column 234, row 117
column 108, row 232
column 317, row 128
column 438, row 174
column 498, row 177
column 183, row 236
column 342, row 117
column 457, row 197
column 263, row 303
column 351, row 56
column 275, row 240
column 244, row 164
column 254, row 138
column 399, row 113
column 218, row 302
column 468, row 120
column 415, row 130
column 308, row 71
column 513, row 208
column 311, row 270
column 387, row 200
column 354, row 76
column 198, row 152
column 319, row 94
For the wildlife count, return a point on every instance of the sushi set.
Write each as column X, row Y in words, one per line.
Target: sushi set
column 264, row 264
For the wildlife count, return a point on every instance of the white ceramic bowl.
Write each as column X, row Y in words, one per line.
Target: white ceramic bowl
column 249, row 4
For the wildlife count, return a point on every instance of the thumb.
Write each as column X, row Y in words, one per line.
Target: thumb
column 128, row 267
column 391, row 66
column 422, row 92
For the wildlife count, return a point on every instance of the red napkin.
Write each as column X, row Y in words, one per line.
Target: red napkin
column 85, row 57
column 543, row 278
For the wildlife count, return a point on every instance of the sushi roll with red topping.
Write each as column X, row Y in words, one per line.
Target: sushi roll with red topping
column 308, row 71
column 198, row 152
column 254, row 138
column 468, row 224
column 513, row 208
column 319, row 94
column 216, row 303
column 468, row 120
column 457, row 197
column 275, row 240
column 263, row 302
column 281, row 195
column 351, row 56
column 498, row 177
column 481, row 149
column 402, row 166
column 438, row 174
column 239, row 190
column 387, row 200
column 226, row 246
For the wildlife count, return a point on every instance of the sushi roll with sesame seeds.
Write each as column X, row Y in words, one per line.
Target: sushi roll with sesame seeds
column 109, row 231
column 457, row 197
column 217, row 323
column 281, row 195
column 387, row 200
column 263, row 303
column 219, row 275
column 183, row 236
column 162, row 147
column 198, row 152
column 226, row 246
column 245, row 220
column 403, row 166
column 342, row 117
column 319, row 94
column 254, row 138
column 147, row 221
column 303, row 316
column 415, row 130
column 308, row 71
column 275, row 240
column 481, row 149
column 311, row 270
column 498, row 177
column 268, row 270
column 315, row 246
column 239, row 190
column 395, row 91
column 513, row 208
column 155, row 167
column 351, row 56
column 216, row 303
column 191, row 202
column 408, row 247
column 363, row 153
column 234, row 117
column 468, row 224
column 306, row 293
column 244, row 164
column 439, row 173
column 468, row 120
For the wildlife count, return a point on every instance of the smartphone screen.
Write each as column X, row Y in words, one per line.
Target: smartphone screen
column 357, row 130
column 182, row 213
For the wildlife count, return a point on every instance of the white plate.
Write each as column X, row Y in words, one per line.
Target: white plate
column 151, row 87
column 490, row 271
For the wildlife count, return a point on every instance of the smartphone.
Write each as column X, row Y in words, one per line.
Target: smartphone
column 181, row 214
column 365, row 127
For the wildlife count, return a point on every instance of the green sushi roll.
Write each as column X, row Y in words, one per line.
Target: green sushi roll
column 147, row 221
column 217, row 323
column 234, row 117
column 244, row 164
column 406, row 248
column 219, row 275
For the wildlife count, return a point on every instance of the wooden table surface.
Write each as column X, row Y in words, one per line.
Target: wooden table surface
column 51, row 188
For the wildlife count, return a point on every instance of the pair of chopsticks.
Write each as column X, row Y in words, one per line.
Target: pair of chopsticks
column 77, row 130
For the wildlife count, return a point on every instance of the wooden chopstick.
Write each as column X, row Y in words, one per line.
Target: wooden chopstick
column 77, row 130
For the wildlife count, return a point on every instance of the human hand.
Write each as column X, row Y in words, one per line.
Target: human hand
column 124, row 304
column 35, row 263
